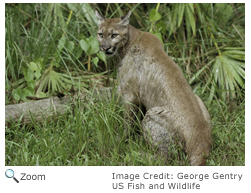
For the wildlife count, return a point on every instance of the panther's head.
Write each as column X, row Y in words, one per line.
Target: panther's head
column 112, row 33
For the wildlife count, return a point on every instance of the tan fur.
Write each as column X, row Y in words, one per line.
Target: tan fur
column 148, row 76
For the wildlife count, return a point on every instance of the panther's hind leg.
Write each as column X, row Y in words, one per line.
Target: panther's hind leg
column 161, row 129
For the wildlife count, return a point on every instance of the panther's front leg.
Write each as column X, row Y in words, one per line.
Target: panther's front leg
column 131, row 105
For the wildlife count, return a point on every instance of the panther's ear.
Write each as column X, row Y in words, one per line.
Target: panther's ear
column 101, row 18
column 125, row 19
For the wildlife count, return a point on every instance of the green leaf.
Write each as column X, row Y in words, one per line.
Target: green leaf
column 55, row 63
column 53, row 81
column 77, row 51
column 227, row 73
column 28, row 74
column 61, row 43
column 33, row 66
column 190, row 21
column 37, row 74
column 199, row 12
column 85, row 46
column 93, row 42
column 31, row 84
column 181, row 13
column 235, row 54
column 223, row 11
column 40, row 62
column 174, row 15
column 159, row 35
column 154, row 15
column 37, row 68
column 31, row 88
column 28, row 92
column 161, row 26
column 41, row 95
column 70, row 46
column 90, row 45
column 15, row 94
column 101, row 56
column 95, row 61
column 191, row 7
column 18, row 94
column 234, row 48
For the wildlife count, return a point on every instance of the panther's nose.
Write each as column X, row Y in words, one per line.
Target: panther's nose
column 105, row 48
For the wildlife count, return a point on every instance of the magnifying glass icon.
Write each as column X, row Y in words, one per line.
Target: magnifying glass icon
column 10, row 174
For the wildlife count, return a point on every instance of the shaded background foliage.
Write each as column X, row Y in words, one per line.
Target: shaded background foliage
column 52, row 48
column 49, row 46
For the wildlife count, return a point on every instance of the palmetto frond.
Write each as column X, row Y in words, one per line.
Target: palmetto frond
column 228, row 74
column 53, row 81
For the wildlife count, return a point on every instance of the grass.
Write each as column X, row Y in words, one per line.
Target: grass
column 92, row 134
column 228, row 134
column 88, row 135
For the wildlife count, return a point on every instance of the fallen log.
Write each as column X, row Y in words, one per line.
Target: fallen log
column 44, row 108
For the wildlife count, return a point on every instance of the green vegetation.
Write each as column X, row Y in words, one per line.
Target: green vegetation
column 51, row 48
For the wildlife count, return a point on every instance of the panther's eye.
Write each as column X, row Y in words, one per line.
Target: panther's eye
column 114, row 35
column 100, row 35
